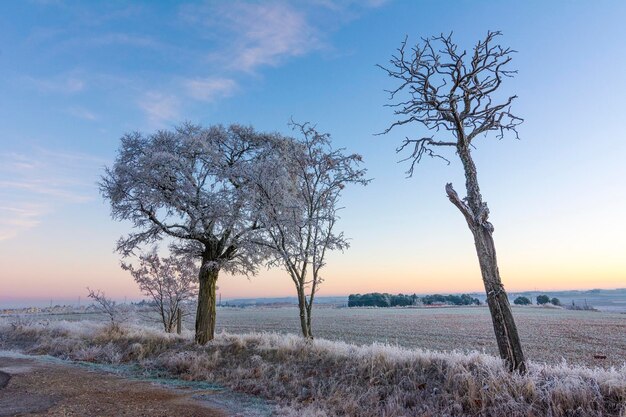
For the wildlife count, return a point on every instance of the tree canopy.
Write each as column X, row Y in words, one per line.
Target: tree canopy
column 300, row 204
column 522, row 301
column 190, row 184
column 193, row 185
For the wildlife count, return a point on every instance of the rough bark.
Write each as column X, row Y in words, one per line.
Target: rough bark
column 305, row 317
column 205, row 314
column 476, row 214
column 504, row 327
column 309, row 308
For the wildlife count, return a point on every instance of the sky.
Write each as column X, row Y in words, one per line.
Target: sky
column 75, row 76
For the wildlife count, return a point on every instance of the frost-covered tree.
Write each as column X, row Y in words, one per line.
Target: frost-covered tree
column 300, row 188
column 168, row 281
column 191, row 185
column 456, row 95
column 107, row 306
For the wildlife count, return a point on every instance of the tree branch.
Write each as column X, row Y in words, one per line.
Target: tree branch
column 461, row 205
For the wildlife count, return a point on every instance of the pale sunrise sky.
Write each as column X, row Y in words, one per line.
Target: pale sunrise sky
column 75, row 76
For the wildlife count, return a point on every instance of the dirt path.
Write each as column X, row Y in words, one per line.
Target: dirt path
column 33, row 388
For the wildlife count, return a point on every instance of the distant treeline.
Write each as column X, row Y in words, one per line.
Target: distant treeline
column 391, row 300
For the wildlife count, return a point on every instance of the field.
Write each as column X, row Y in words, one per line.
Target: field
column 548, row 335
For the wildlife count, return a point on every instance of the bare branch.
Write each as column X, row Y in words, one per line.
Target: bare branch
column 460, row 204
column 450, row 90
column 106, row 306
column 421, row 147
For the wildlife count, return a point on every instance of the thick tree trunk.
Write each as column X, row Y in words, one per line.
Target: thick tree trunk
column 477, row 214
column 305, row 319
column 167, row 320
column 503, row 323
column 205, row 315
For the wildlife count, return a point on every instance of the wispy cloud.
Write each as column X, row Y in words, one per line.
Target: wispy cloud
column 47, row 187
column 124, row 39
column 342, row 5
column 47, row 2
column 245, row 37
column 209, row 89
column 81, row 113
column 267, row 33
column 260, row 34
column 77, row 159
column 67, row 84
column 160, row 107
column 111, row 39
column 18, row 218
column 38, row 182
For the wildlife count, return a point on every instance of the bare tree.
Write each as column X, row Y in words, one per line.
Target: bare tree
column 191, row 186
column 454, row 93
column 300, row 202
column 169, row 282
column 106, row 306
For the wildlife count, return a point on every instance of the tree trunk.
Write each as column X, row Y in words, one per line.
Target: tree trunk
column 168, row 320
column 179, row 321
column 309, row 309
column 477, row 214
column 205, row 315
column 503, row 323
column 304, row 318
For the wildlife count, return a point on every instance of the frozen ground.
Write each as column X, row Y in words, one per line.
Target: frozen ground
column 304, row 378
column 47, row 386
column 548, row 335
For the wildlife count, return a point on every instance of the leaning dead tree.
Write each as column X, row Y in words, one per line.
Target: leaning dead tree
column 455, row 94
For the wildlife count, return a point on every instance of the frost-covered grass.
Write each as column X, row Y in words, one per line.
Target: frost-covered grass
column 328, row 378
column 548, row 335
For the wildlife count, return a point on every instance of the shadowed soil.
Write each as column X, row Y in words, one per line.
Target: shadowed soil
column 32, row 388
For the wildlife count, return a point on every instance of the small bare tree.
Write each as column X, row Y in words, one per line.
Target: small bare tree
column 107, row 306
column 169, row 282
column 454, row 91
column 300, row 187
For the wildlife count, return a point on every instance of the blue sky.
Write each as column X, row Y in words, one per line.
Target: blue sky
column 75, row 76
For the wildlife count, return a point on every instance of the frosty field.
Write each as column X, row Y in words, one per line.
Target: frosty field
column 548, row 335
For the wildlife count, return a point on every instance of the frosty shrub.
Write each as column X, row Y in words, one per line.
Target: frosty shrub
column 169, row 282
column 108, row 306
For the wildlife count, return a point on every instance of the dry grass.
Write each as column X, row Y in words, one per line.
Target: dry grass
column 324, row 378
